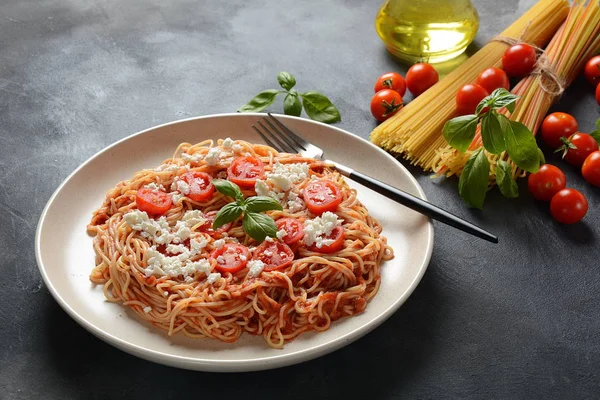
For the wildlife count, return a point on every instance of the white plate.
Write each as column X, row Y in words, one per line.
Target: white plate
column 65, row 256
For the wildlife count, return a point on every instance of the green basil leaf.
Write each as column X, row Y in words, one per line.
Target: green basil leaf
column 262, row 203
column 228, row 213
column 507, row 185
column 228, row 188
column 596, row 134
column 521, row 146
column 542, row 157
column 320, row 108
column 460, row 131
column 474, row 179
column 259, row 226
column 260, row 101
column 598, row 123
column 286, row 80
column 491, row 133
column 498, row 93
column 292, row 105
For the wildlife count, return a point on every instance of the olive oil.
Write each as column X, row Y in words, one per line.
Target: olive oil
column 428, row 30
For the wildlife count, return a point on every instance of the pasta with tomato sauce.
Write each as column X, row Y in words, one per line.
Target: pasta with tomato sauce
column 157, row 252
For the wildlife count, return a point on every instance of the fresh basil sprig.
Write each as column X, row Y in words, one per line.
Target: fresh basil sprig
column 596, row 133
column 258, row 226
column 316, row 105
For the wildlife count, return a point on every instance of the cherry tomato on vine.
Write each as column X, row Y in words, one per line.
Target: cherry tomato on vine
column 391, row 80
column 545, row 183
column 468, row 97
column 592, row 72
column 518, row 60
column 584, row 146
column 591, row 168
column 556, row 126
column 421, row 77
column 568, row 206
column 385, row 103
column 492, row 79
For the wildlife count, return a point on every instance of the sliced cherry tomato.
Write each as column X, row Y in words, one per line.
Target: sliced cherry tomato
column 545, row 183
column 468, row 97
column 598, row 94
column 337, row 235
column 231, row 257
column 201, row 189
column 244, row 171
column 519, row 60
column 207, row 226
column 421, row 77
column 493, row 78
column 585, row 145
column 391, row 80
column 592, row 72
column 556, row 126
column 385, row 103
column 568, row 206
column 591, row 168
column 152, row 201
column 321, row 196
column 275, row 255
column 294, row 229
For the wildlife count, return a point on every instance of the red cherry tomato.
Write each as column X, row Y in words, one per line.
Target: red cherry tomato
column 592, row 72
column 244, row 171
column 591, row 168
column 385, row 103
column 201, row 189
column 492, row 79
column 153, row 202
column 598, row 94
column 232, row 257
column 337, row 235
column 421, row 77
column 545, row 183
column 558, row 125
column 568, row 206
column 585, row 144
column 207, row 226
column 275, row 255
column 294, row 229
column 321, row 196
column 468, row 97
column 519, row 60
column 391, row 80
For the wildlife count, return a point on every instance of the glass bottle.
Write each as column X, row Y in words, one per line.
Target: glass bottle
column 427, row 30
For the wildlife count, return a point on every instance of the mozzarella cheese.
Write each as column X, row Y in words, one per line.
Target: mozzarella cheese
column 318, row 229
column 255, row 267
column 212, row 157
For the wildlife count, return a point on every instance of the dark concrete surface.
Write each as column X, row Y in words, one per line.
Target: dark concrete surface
column 518, row 320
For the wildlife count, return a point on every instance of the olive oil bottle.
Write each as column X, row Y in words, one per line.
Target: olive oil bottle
column 429, row 30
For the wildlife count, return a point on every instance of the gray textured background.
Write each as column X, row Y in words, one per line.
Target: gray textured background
column 516, row 320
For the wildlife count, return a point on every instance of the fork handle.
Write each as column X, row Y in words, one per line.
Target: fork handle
column 415, row 203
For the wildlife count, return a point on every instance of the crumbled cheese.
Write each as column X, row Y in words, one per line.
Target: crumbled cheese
column 269, row 239
column 182, row 232
column 261, row 188
column 176, row 248
column 285, row 176
column 196, row 246
column 192, row 157
column 221, row 260
column 218, row 243
column 243, row 257
column 147, row 309
column 212, row 158
column 295, row 205
column 180, row 185
column 227, row 143
column 201, row 266
column 317, row 230
column 212, row 278
column 165, row 293
column 237, row 148
column 268, row 253
column 281, row 234
column 176, row 197
column 154, row 186
column 255, row 268
column 167, row 168
column 193, row 218
column 189, row 279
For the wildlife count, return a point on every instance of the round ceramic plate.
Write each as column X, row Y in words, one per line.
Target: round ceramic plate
column 65, row 255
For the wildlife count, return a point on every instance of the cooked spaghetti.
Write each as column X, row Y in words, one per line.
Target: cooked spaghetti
column 164, row 261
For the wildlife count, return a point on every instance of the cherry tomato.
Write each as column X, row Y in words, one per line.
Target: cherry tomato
column 337, row 235
column 585, row 145
column 275, row 255
column 468, row 97
column 558, row 125
column 545, row 183
column 207, row 226
column 385, row 103
column 391, row 80
column 231, row 257
column 153, row 202
column 321, row 196
column 244, row 171
column 568, row 206
column 492, row 79
column 598, row 94
column 294, row 229
column 591, row 168
column 519, row 60
column 421, row 77
column 201, row 188
column 592, row 71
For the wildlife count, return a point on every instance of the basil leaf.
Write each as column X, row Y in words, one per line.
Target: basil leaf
column 286, row 80
column 473, row 182
column 521, row 146
column 498, row 93
column 262, row 203
column 320, row 108
column 230, row 212
column 498, row 99
column 491, row 133
column 542, row 157
column 292, row 105
column 507, row 185
column 259, row 226
column 596, row 134
column 228, row 189
column 260, row 101
column 460, row 131
column 598, row 123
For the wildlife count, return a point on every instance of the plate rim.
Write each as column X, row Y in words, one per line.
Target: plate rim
column 254, row 364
